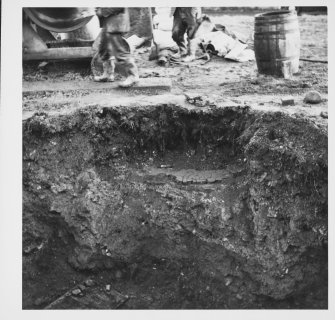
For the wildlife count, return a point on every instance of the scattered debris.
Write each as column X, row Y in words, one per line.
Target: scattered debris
column 287, row 101
column 226, row 46
column 42, row 64
column 76, row 292
column 313, row 97
column 89, row 283
column 81, row 287
column 199, row 100
column 324, row 114
column 166, row 166
column 228, row 281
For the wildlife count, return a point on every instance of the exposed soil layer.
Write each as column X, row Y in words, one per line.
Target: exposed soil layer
column 138, row 200
column 175, row 207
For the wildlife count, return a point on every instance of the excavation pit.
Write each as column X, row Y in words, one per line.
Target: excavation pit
column 174, row 207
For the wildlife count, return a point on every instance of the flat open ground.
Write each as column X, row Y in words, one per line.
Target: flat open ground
column 219, row 78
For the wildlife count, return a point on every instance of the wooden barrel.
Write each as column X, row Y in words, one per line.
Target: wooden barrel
column 277, row 43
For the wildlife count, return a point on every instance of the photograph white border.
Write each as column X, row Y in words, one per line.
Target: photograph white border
column 11, row 169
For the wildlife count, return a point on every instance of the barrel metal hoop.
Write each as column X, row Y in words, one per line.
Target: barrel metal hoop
column 268, row 23
column 280, row 59
column 290, row 31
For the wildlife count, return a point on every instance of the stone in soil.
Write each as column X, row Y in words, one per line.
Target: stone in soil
column 89, row 283
column 81, row 287
column 313, row 97
column 193, row 176
column 324, row 114
column 76, row 292
column 287, row 101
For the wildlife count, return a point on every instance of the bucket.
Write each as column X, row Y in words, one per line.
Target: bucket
column 277, row 43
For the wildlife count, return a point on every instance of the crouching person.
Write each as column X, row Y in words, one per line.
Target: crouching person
column 115, row 23
column 185, row 20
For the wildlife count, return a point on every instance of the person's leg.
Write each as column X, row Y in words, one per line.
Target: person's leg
column 124, row 58
column 107, row 60
column 192, row 43
column 178, row 33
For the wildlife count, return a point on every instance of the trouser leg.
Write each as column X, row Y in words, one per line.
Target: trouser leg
column 104, row 51
column 123, row 55
column 178, row 33
column 124, row 58
column 192, row 43
column 107, row 59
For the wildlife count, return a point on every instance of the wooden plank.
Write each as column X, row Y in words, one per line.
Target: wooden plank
column 61, row 53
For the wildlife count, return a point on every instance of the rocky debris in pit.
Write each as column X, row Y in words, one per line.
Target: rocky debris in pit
column 76, row 292
column 193, row 176
column 94, row 298
column 89, row 283
column 33, row 248
column 42, row 65
column 313, row 97
column 82, row 287
column 165, row 166
column 228, row 281
column 128, row 215
column 287, row 101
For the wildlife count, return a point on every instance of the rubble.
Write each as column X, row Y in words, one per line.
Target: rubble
column 76, row 292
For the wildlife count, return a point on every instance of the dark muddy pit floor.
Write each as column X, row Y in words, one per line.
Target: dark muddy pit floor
column 152, row 283
column 155, row 283
column 161, row 284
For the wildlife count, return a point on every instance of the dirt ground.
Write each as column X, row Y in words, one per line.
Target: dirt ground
column 59, row 156
column 221, row 78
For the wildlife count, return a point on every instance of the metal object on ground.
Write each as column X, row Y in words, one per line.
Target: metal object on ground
column 277, row 43
column 74, row 26
column 61, row 54
column 59, row 19
column 31, row 41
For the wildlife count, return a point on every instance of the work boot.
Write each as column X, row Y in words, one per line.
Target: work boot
column 108, row 72
column 192, row 48
column 129, row 82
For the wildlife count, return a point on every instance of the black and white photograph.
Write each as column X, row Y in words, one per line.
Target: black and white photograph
column 171, row 158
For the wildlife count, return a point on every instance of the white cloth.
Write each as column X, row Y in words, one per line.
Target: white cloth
column 227, row 47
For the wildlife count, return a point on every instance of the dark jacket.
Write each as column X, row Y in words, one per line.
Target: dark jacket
column 114, row 20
